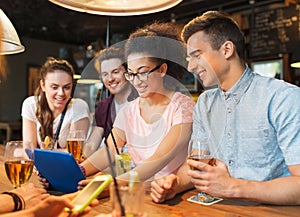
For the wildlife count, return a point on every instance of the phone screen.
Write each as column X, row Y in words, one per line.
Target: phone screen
column 85, row 195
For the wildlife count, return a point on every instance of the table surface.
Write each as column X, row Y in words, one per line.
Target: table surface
column 179, row 206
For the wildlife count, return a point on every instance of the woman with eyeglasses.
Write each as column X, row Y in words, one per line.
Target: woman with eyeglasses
column 157, row 125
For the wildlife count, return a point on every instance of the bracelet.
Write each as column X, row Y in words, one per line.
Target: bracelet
column 82, row 169
column 18, row 201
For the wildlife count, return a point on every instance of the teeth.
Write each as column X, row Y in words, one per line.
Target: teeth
column 113, row 85
column 141, row 89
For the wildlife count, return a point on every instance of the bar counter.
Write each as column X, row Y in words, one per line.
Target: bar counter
column 179, row 206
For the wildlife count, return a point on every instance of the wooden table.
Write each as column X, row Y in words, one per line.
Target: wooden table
column 179, row 206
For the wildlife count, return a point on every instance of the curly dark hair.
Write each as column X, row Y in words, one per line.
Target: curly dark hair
column 162, row 42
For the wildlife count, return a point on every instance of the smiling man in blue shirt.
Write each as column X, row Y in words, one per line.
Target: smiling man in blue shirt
column 252, row 122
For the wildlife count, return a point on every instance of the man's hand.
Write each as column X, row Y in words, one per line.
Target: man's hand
column 214, row 180
column 164, row 188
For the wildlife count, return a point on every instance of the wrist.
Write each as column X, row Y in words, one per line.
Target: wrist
column 82, row 169
column 236, row 188
column 19, row 203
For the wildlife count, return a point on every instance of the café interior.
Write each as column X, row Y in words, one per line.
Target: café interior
column 76, row 30
column 63, row 29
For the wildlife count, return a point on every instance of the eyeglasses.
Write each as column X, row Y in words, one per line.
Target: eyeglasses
column 142, row 76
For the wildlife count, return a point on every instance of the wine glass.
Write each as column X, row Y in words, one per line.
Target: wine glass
column 199, row 150
column 18, row 161
column 75, row 144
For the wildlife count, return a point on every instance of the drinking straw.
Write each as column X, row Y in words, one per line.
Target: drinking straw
column 114, row 179
column 114, row 141
column 117, row 150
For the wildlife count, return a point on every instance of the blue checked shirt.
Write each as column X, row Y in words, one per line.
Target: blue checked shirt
column 254, row 127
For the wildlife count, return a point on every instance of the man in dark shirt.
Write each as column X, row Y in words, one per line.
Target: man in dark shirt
column 111, row 66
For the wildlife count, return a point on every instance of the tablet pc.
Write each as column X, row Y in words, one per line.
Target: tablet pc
column 59, row 168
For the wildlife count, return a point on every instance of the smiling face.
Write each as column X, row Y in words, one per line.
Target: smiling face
column 112, row 75
column 58, row 88
column 140, row 63
column 203, row 60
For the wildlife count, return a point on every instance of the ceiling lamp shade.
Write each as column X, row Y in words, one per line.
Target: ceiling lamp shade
column 117, row 7
column 76, row 76
column 295, row 59
column 10, row 42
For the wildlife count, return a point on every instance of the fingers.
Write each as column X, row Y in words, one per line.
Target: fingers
column 161, row 188
column 83, row 183
column 44, row 182
column 198, row 165
column 104, row 215
column 40, row 190
column 94, row 203
column 45, row 196
column 71, row 196
column 157, row 192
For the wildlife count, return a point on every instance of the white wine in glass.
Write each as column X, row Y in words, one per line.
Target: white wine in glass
column 18, row 161
column 199, row 150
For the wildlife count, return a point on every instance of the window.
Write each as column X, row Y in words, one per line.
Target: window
column 269, row 68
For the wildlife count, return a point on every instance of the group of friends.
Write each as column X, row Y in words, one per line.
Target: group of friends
column 252, row 121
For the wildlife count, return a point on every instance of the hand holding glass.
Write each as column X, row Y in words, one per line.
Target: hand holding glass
column 199, row 150
column 19, row 162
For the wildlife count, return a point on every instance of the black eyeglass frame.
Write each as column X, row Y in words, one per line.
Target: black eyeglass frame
column 126, row 74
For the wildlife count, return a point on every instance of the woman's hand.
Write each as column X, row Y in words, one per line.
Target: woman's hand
column 31, row 195
column 83, row 183
column 164, row 188
column 43, row 181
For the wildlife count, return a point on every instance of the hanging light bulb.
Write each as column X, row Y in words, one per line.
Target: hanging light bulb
column 117, row 7
column 10, row 42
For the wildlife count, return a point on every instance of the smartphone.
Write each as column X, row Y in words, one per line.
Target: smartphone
column 89, row 193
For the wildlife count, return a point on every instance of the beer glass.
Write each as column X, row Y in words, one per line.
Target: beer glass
column 18, row 161
column 75, row 144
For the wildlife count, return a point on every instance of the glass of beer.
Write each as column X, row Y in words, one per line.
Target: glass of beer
column 75, row 144
column 199, row 150
column 18, row 161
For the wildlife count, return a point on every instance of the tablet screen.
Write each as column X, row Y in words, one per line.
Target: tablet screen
column 59, row 168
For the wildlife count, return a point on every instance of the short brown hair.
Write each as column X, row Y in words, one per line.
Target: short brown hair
column 219, row 27
column 109, row 53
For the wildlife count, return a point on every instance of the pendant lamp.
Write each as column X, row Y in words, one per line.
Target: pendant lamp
column 112, row 8
column 10, row 42
column 295, row 58
column 117, row 7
